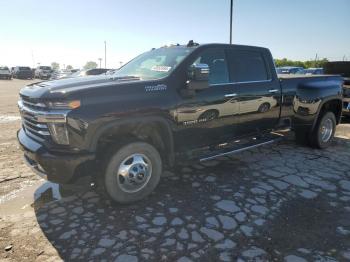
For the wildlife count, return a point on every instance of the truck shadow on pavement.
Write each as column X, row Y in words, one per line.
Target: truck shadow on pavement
column 255, row 205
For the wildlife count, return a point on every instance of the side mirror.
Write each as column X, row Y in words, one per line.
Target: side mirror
column 198, row 75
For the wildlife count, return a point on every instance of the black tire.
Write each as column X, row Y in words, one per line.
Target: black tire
column 264, row 107
column 320, row 138
column 66, row 190
column 209, row 115
column 113, row 182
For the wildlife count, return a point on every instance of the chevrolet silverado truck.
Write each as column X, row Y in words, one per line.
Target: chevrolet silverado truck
column 167, row 106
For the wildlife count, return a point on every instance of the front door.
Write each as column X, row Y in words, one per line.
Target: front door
column 211, row 115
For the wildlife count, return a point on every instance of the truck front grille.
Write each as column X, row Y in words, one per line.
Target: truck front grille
column 29, row 110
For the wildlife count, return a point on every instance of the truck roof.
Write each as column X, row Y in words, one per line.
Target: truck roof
column 216, row 45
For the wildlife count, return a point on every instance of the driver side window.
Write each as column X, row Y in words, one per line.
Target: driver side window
column 216, row 60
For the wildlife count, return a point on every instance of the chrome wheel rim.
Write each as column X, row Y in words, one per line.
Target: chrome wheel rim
column 134, row 173
column 326, row 130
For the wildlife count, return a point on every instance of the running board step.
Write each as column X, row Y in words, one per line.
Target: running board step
column 240, row 148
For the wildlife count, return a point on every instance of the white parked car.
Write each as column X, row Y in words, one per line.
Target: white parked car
column 226, row 108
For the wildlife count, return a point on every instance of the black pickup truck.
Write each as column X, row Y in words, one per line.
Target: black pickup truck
column 169, row 105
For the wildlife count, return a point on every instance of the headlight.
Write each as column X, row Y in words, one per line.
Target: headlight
column 59, row 133
column 64, row 105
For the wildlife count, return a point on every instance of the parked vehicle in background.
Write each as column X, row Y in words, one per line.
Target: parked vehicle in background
column 314, row 71
column 278, row 70
column 5, row 73
column 60, row 74
column 43, row 72
column 111, row 71
column 22, row 72
column 291, row 70
column 341, row 68
column 89, row 72
column 123, row 130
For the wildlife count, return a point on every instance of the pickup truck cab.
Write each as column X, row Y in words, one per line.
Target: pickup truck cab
column 169, row 105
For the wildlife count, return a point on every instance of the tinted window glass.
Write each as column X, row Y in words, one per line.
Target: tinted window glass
column 216, row 60
column 247, row 66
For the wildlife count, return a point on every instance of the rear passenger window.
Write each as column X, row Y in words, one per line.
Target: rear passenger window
column 216, row 60
column 246, row 66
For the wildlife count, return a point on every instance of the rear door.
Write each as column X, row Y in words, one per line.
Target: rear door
column 258, row 89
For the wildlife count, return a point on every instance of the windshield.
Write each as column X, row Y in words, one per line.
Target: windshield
column 24, row 68
column 4, row 68
column 155, row 64
column 45, row 68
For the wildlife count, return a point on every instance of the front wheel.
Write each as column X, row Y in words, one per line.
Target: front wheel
column 132, row 172
column 264, row 107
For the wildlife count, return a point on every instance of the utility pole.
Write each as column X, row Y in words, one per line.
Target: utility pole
column 231, row 11
column 33, row 61
column 100, row 59
column 105, row 55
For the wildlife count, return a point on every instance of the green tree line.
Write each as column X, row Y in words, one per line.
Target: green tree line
column 305, row 64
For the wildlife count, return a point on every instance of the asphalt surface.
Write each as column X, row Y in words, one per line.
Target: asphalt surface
column 278, row 202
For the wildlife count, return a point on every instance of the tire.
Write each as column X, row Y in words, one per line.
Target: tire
column 142, row 170
column 323, row 134
column 264, row 107
column 66, row 190
column 209, row 115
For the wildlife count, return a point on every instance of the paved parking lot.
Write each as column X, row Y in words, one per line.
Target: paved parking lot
column 278, row 202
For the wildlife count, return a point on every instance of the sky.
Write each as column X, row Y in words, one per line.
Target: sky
column 73, row 32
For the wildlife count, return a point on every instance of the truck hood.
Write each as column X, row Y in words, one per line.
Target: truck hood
column 65, row 86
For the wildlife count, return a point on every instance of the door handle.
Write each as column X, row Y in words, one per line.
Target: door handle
column 273, row 90
column 230, row 95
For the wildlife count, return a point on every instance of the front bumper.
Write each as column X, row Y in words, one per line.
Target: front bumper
column 24, row 75
column 4, row 75
column 56, row 167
